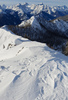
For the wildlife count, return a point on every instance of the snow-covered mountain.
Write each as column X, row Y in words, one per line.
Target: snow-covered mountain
column 38, row 22
column 31, row 70
column 25, row 11
column 61, row 25
column 54, row 33
column 36, row 9
column 31, row 22
column 38, row 28
column 60, row 8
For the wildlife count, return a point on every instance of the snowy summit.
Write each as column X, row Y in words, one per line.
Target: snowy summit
column 31, row 22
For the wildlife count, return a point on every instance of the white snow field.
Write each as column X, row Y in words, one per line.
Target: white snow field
column 30, row 70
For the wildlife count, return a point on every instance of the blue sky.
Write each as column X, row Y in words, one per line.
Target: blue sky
column 47, row 2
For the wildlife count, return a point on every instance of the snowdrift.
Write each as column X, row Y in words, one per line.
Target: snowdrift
column 31, row 70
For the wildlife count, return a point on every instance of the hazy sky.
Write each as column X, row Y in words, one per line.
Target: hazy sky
column 47, row 2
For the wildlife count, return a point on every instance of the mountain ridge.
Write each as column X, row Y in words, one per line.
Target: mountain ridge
column 25, row 11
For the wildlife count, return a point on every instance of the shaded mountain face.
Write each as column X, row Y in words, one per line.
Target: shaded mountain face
column 55, row 33
column 38, row 24
column 9, row 18
column 45, row 15
column 14, row 15
column 65, row 18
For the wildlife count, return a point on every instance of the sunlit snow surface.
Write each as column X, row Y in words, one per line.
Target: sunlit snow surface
column 31, row 70
column 32, row 21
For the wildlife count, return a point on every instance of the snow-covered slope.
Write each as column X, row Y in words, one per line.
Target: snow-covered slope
column 31, row 70
column 21, row 8
column 61, row 25
column 40, row 7
column 58, row 26
column 8, row 41
column 31, row 22
column 60, row 8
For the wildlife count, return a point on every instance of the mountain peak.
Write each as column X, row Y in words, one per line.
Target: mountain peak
column 31, row 22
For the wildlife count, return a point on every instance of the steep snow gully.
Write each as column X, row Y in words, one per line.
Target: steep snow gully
column 31, row 70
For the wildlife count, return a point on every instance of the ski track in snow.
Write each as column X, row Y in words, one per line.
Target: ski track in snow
column 33, row 72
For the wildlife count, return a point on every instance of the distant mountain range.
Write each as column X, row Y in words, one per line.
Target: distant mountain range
column 14, row 15
column 65, row 18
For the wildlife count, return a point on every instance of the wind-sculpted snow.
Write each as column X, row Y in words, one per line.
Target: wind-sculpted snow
column 33, row 72
column 8, row 43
